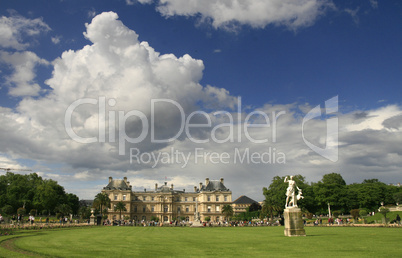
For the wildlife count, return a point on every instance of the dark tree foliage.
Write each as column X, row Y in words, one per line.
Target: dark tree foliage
column 32, row 192
column 254, row 207
column 332, row 190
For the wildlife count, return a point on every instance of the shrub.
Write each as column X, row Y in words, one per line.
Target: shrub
column 32, row 212
column 207, row 219
column 7, row 209
column 355, row 213
column 21, row 211
column 336, row 214
column 153, row 218
column 363, row 212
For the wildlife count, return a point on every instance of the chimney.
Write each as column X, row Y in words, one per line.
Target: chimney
column 171, row 186
column 195, row 189
column 156, row 186
column 125, row 179
column 222, row 180
column 200, row 186
column 110, row 179
column 206, row 181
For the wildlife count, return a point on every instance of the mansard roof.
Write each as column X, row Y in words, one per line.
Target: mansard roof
column 244, row 200
column 214, row 185
column 118, row 184
column 166, row 189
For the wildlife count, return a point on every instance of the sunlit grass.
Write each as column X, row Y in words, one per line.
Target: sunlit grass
column 233, row 241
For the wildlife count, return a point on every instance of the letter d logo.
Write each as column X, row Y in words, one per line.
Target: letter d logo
column 330, row 151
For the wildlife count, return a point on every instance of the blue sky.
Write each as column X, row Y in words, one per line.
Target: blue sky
column 290, row 58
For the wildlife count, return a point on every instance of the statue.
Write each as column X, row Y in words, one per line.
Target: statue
column 196, row 213
column 197, row 219
column 291, row 198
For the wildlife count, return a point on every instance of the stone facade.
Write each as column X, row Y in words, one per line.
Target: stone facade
column 166, row 203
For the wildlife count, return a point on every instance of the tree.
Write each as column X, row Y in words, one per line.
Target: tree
column 73, row 201
column 8, row 209
column 331, row 189
column 84, row 212
column 254, row 207
column 31, row 192
column 102, row 200
column 21, row 211
column 33, row 212
column 355, row 213
column 398, row 197
column 275, row 194
column 120, row 206
column 207, row 219
column 384, row 212
column 227, row 211
column 63, row 209
column 363, row 213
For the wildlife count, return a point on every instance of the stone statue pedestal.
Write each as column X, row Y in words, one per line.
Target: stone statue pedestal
column 197, row 224
column 92, row 220
column 294, row 225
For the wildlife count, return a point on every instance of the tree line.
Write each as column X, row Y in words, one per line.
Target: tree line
column 31, row 194
column 332, row 190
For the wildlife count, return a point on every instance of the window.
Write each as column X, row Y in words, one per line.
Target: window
column 124, row 197
column 177, row 199
column 135, row 208
column 152, row 208
column 194, row 199
column 165, row 208
column 217, row 198
column 178, row 209
column 187, row 208
column 165, row 218
column 217, row 219
column 144, row 198
column 209, row 209
column 187, row 218
column 226, row 198
column 144, row 218
column 217, row 208
column 185, row 199
column 209, row 198
column 144, row 208
column 152, row 198
column 115, row 197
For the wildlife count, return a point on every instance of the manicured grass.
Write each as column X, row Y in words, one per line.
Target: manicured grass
column 378, row 217
column 231, row 241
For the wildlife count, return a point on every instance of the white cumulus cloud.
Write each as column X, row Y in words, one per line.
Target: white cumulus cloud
column 15, row 29
column 293, row 14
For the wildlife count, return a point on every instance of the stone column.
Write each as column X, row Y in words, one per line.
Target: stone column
column 294, row 225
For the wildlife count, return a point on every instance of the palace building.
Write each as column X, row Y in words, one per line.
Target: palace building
column 167, row 203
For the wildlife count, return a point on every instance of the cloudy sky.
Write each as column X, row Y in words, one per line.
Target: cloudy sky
column 179, row 90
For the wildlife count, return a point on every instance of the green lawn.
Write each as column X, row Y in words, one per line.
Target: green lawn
column 231, row 241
